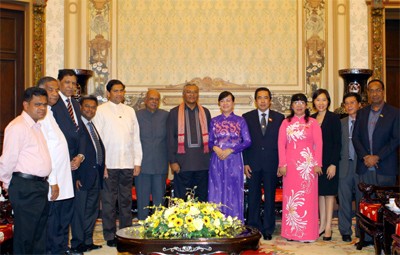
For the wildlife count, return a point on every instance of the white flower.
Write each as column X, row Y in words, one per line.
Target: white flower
column 193, row 210
column 168, row 212
column 294, row 220
column 198, row 224
column 217, row 223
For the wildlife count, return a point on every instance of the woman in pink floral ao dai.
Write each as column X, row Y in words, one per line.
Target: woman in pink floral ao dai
column 300, row 160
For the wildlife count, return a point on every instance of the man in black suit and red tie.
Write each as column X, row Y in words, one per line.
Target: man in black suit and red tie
column 88, row 182
column 68, row 116
column 261, row 161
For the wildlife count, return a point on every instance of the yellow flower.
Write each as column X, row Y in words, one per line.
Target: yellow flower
column 156, row 222
column 178, row 222
column 191, row 219
column 188, row 219
column 206, row 220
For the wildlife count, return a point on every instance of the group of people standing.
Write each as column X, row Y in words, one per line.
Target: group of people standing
column 85, row 151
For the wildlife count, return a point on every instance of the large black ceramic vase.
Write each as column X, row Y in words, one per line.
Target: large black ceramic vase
column 83, row 77
column 355, row 80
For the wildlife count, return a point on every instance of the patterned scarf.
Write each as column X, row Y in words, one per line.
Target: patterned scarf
column 181, row 128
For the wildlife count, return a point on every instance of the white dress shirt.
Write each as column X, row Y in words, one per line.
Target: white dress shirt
column 119, row 130
column 59, row 154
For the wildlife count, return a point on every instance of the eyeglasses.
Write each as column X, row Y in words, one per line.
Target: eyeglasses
column 372, row 91
column 299, row 102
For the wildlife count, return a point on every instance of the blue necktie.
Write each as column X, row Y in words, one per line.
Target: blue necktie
column 351, row 146
column 99, row 151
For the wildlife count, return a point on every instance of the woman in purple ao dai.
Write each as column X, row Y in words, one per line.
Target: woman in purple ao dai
column 300, row 161
column 228, row 137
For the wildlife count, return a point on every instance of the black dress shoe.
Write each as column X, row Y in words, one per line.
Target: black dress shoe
column 93, row 247
column 112, row 243
column 346, row 238
column 323, row 232
column 366, row 243
column 267, row 236
column 72, row 252
column 80, row 248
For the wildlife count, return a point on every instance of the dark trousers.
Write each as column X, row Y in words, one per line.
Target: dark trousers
column 118, row 186
column 30, row 205
column 86, row 210
column 60, row 217
column 347, row 187
column 146, row 185
column 184, row 181
column 269, row 180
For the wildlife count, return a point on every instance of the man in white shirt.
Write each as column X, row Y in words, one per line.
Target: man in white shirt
column 60, row 178
column 119, row 129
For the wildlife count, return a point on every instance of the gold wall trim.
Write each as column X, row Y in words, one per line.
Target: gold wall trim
column 377, row 41
column 39, row 22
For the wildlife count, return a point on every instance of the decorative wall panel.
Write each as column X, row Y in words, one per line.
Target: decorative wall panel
column 100, row 43
column 315, row 29
column 54, row 37
column 163, row 42
column 358, row 34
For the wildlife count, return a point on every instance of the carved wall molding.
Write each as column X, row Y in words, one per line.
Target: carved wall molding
column 171, row 95
column 39, row 21
column 377, row 41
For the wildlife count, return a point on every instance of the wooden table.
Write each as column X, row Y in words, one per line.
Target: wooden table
column 129, row 241
column 390, row 219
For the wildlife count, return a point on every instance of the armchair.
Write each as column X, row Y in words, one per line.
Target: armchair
column 370, row 214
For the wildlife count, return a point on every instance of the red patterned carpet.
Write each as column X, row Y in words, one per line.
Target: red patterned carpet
column 277, row 246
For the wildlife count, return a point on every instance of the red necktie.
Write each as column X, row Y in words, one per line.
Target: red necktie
column 71, row 113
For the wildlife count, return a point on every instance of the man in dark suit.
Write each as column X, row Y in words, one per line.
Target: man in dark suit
column 348, row 178
column 261, row 161
column 68, row 116
column 88, row 182
column 376, row 140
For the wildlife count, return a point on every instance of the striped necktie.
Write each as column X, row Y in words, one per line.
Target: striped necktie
column 71, row 112
column 99, row 151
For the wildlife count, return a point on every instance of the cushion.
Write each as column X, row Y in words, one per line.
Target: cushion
column 398, row 229
column 6, row 232
column 370, row 210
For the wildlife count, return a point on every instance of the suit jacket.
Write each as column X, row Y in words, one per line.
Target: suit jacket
column 262, row 155
column 331, row 141
column 344, row 153
column 75, row 138
column 86, row 173
column 385, row 140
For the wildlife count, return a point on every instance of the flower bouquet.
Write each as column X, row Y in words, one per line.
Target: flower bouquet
column 190, row 219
